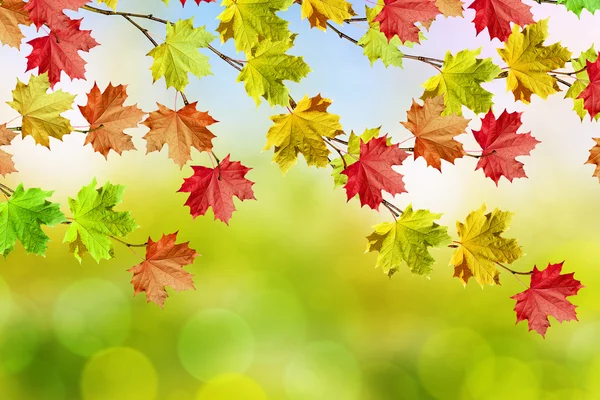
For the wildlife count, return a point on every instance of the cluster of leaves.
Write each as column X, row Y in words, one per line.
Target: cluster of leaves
column 366, row 166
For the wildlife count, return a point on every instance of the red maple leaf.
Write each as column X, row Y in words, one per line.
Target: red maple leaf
column 163, row 267
column 373, row 172
column 59, row 51
column 591, row 94
column 501, row 144
column 398, row 17
column 50, row 12
column 496, row 16
column 215, row 187
column 547, row 295
column 198, row 1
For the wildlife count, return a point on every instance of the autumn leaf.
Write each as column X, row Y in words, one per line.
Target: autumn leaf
column 247, row 22
column 319, row 12
column 434, row 133
column 376, row 46
column 95, row 221
column 591, row 94
column 577, row 6
column 163, row 266
column 302, row 131
column 501, row 144
column 179, row 54
column 7, row 166
column 481, row 246
column 497, row 15
column 372, row 173
column 547, row 296
column 408, row 239
column 399, row 17
column 40, row 110
column 579, row 64
column 6, row 135
column 266, row 69
column 21, row 218
column 595, row 157
column 50, row 12
column 108, row 118
column 352, row 154
column 180, row 130
column 529, row 62
column 215, row 187
column 12, row 14
column 450, row 8
column 460, row 82
column 59, row 52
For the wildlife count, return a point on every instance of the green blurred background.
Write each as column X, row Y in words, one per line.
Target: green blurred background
column 287, row 305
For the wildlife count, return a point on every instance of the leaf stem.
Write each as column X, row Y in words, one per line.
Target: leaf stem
column 129, row 244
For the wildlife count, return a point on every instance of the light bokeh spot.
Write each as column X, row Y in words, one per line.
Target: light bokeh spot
column 91, row 315
column 231, row 386
column 215, row 342
column 119, row 373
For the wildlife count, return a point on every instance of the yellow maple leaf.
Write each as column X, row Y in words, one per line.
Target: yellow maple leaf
column 319, row 12
column 302, row 131
column 40, row 110
column 481, row 246
column 529, row 61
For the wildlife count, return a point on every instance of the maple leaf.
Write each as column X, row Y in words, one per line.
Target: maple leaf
column 163, row 266
column 398, row 17
column 40, row 110
column 319, row 12
column 529, row 61
column 247, row 22
column 434, row 133
column 21, row 218
column 595, row 157
column 12, row 14
column 372, row 173
column 577, row 6
column 352, row 154
column 59, row 51
column 7, row 165
column 582, row 81
column 110, row 3
column 496, row 16
column 108, row 118
column 266, row 69
column 215, row 187
column 302, row 131
column 547, row 295
column 481, row 246
column 408, row 239
column 591, row 94
column 179, row 54
column 95, row 222
column 376, row 46
column 501, row 144
column 180, row 130
column 450, row 8
column 50, row 12
column 460, row 81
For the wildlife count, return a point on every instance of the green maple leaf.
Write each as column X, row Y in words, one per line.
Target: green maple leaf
column 21, row 218
column 577, row 6
column 247, row 22
column 583, row 80
column 95, row 221
column 41, row 110
column 179, row 54
column 376, row 46
column 460, row 82
column 266, row 69
column 352, row 155
column 408, row 239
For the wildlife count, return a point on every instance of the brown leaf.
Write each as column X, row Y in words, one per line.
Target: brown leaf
column 180, row 130
column 12, row 14
column 108, row 118
column 595, row 157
